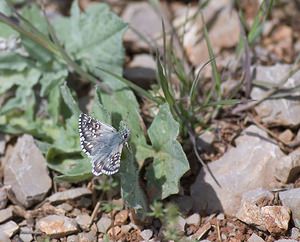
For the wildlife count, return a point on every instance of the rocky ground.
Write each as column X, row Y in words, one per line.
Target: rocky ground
column 251, row 148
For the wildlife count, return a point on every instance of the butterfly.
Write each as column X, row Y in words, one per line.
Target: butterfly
column 102, row 143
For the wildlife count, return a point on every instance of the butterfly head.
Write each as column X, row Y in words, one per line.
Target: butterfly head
column 124, row 131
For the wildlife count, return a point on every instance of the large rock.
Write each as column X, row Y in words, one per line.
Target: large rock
column 291, row 199
column 249, row 166
column 26, row 172
column 277, row 111
column 145, row 20
column 221, row 35
column 69, row 194
column 57, row 226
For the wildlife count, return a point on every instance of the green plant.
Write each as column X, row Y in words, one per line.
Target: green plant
column 169, row 216
column 36, row 76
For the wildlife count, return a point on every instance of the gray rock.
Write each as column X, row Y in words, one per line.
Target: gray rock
column 103, row 224
column 57, row 226
column 73, row 238
column 295, row 233
column 26, row 172
column 193, row 219
column 236, row 174
column 26, row 237
column 140, row 16
column 26, row 233
column 87, row 237
column 4, row 237
column 69, row 194
column 9, row 228
column 3, row 197
column 220, row 35
column 146, row 234
column 65, row 206
column 83, row 220
column 291, row 199
column 255, row 238
column 5, row 214
column 141, row 70
column 279, row 111
column 205, row 141
column 288, row 167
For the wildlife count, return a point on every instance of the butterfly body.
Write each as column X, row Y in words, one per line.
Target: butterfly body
column 102, row 143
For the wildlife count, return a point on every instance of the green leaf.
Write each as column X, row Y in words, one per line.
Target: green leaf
column 69, row 100
column 94, row 37
column 12, row 61
column 74, row 169
column 27, row 79
column 169, row 160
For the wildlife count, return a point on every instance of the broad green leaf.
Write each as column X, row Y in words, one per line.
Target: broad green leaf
column 94, row 37
column 169, row 160
column 12, row 61
column 73, row 169
column 27, row 78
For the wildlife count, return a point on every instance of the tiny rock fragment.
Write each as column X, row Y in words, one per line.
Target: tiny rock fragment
column 69, row 194
column 57, row 226
column 103, row 224
column 83, row 221
column 286, row 135
column 194, row 219
column 255, row 238
column 121, row 217
column 9, row 228
column 26, row 172
column 295, row 233
column 5, row 214
column 146, row 234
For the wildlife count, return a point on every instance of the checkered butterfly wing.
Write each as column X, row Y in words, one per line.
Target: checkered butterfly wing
column 109, row 164
column 91, row 133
